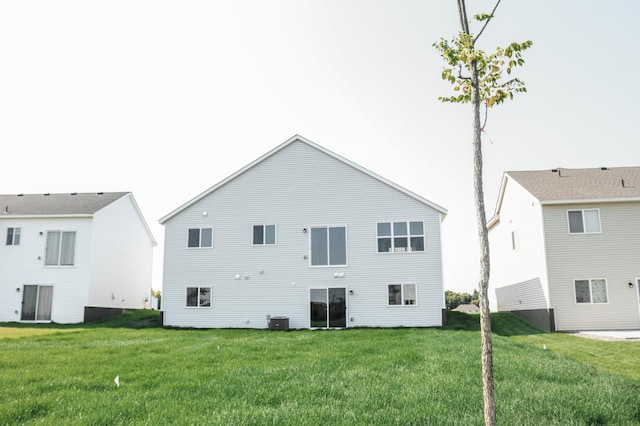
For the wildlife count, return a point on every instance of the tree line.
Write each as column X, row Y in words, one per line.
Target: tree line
column 453, row 299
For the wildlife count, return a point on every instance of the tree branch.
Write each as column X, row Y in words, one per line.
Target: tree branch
column 485, row 22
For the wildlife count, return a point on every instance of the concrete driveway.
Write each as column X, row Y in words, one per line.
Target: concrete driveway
column 614, row 335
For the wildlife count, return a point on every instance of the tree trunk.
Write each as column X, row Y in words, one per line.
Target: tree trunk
column 485, row 320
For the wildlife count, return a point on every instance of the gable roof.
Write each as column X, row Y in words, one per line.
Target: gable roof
column 469, row 307
column 570, row 186
column 73, row 204
column 298, row 138
column 580, row 184
column 56, row 204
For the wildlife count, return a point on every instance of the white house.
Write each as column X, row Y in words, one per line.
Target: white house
column 565, row 248
column 69, row 258
column 303, row 234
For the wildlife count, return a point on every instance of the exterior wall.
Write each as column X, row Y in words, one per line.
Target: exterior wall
column 518, row 277
column 24, row 265
column 528, row 294
column 122, row 258
column 612, row 254
column 297, row 188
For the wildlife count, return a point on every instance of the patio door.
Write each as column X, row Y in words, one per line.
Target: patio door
column 36, row 303
column 328, row 307
column 638, row 291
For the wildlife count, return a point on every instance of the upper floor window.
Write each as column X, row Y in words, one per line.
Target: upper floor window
column 329, row 246
column 13, row 236
column 584, row 221
column 402, row 294
column 515, row 239
column 200, row 237
column 591, row 291
column 264, row 235
column 400, row 237
column 199, row 297
column 61, row 248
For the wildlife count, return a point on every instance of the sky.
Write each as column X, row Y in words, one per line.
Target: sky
column 167, row 98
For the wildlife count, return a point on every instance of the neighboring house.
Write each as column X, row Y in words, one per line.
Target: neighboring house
column 565, row 248
column 305, row 234
column 469, row 308
column 68, row 258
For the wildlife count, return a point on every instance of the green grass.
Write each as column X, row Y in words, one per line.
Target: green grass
column 354, row 376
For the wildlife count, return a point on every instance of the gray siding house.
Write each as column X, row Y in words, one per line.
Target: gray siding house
column 305, row 235
column 565, row 248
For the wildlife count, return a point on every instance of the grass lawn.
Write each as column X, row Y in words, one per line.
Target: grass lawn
column 354, row 376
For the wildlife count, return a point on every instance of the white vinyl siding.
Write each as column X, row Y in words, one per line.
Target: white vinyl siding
column 522, row 269
column 277, row 281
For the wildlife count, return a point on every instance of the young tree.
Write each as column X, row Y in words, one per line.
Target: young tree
column 477, row 78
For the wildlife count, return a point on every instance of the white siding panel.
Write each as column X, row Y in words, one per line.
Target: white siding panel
column 521, row 296
column 122, row 258
column 24, row 265
column 295, row 189
column 612, row 254
column 520, row 211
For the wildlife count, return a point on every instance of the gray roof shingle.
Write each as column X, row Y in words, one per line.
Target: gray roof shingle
column 580, row 184
column 56, row 204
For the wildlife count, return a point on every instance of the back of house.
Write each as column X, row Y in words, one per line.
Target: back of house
column 566, row 248
column 303, row 238
column 72, row 257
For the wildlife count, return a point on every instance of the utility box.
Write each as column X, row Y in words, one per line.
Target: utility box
column 279, row 323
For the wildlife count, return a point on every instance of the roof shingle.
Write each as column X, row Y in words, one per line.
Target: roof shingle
column 56, row 204
column 580, row 184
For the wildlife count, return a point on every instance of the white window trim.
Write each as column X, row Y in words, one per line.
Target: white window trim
column 346, row 246
column 210, row 287
column 575, row 296
column 264, row 235
column 401, row 284
column 409, row 235
column 200, row 238
column 584, row 225
column 75, row 248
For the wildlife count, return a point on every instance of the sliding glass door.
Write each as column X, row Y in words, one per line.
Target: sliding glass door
column 36, row 303
column 328, row 307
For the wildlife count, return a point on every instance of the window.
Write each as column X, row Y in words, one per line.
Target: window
column 13, row 236
column 61, row 247
column 329, row 246
column 584, row 221
column 515, row 239
column 395, row 237
column 264, row 235
column 199, row 297
column 402, row 294
column 591, row 291
column 200, row 237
